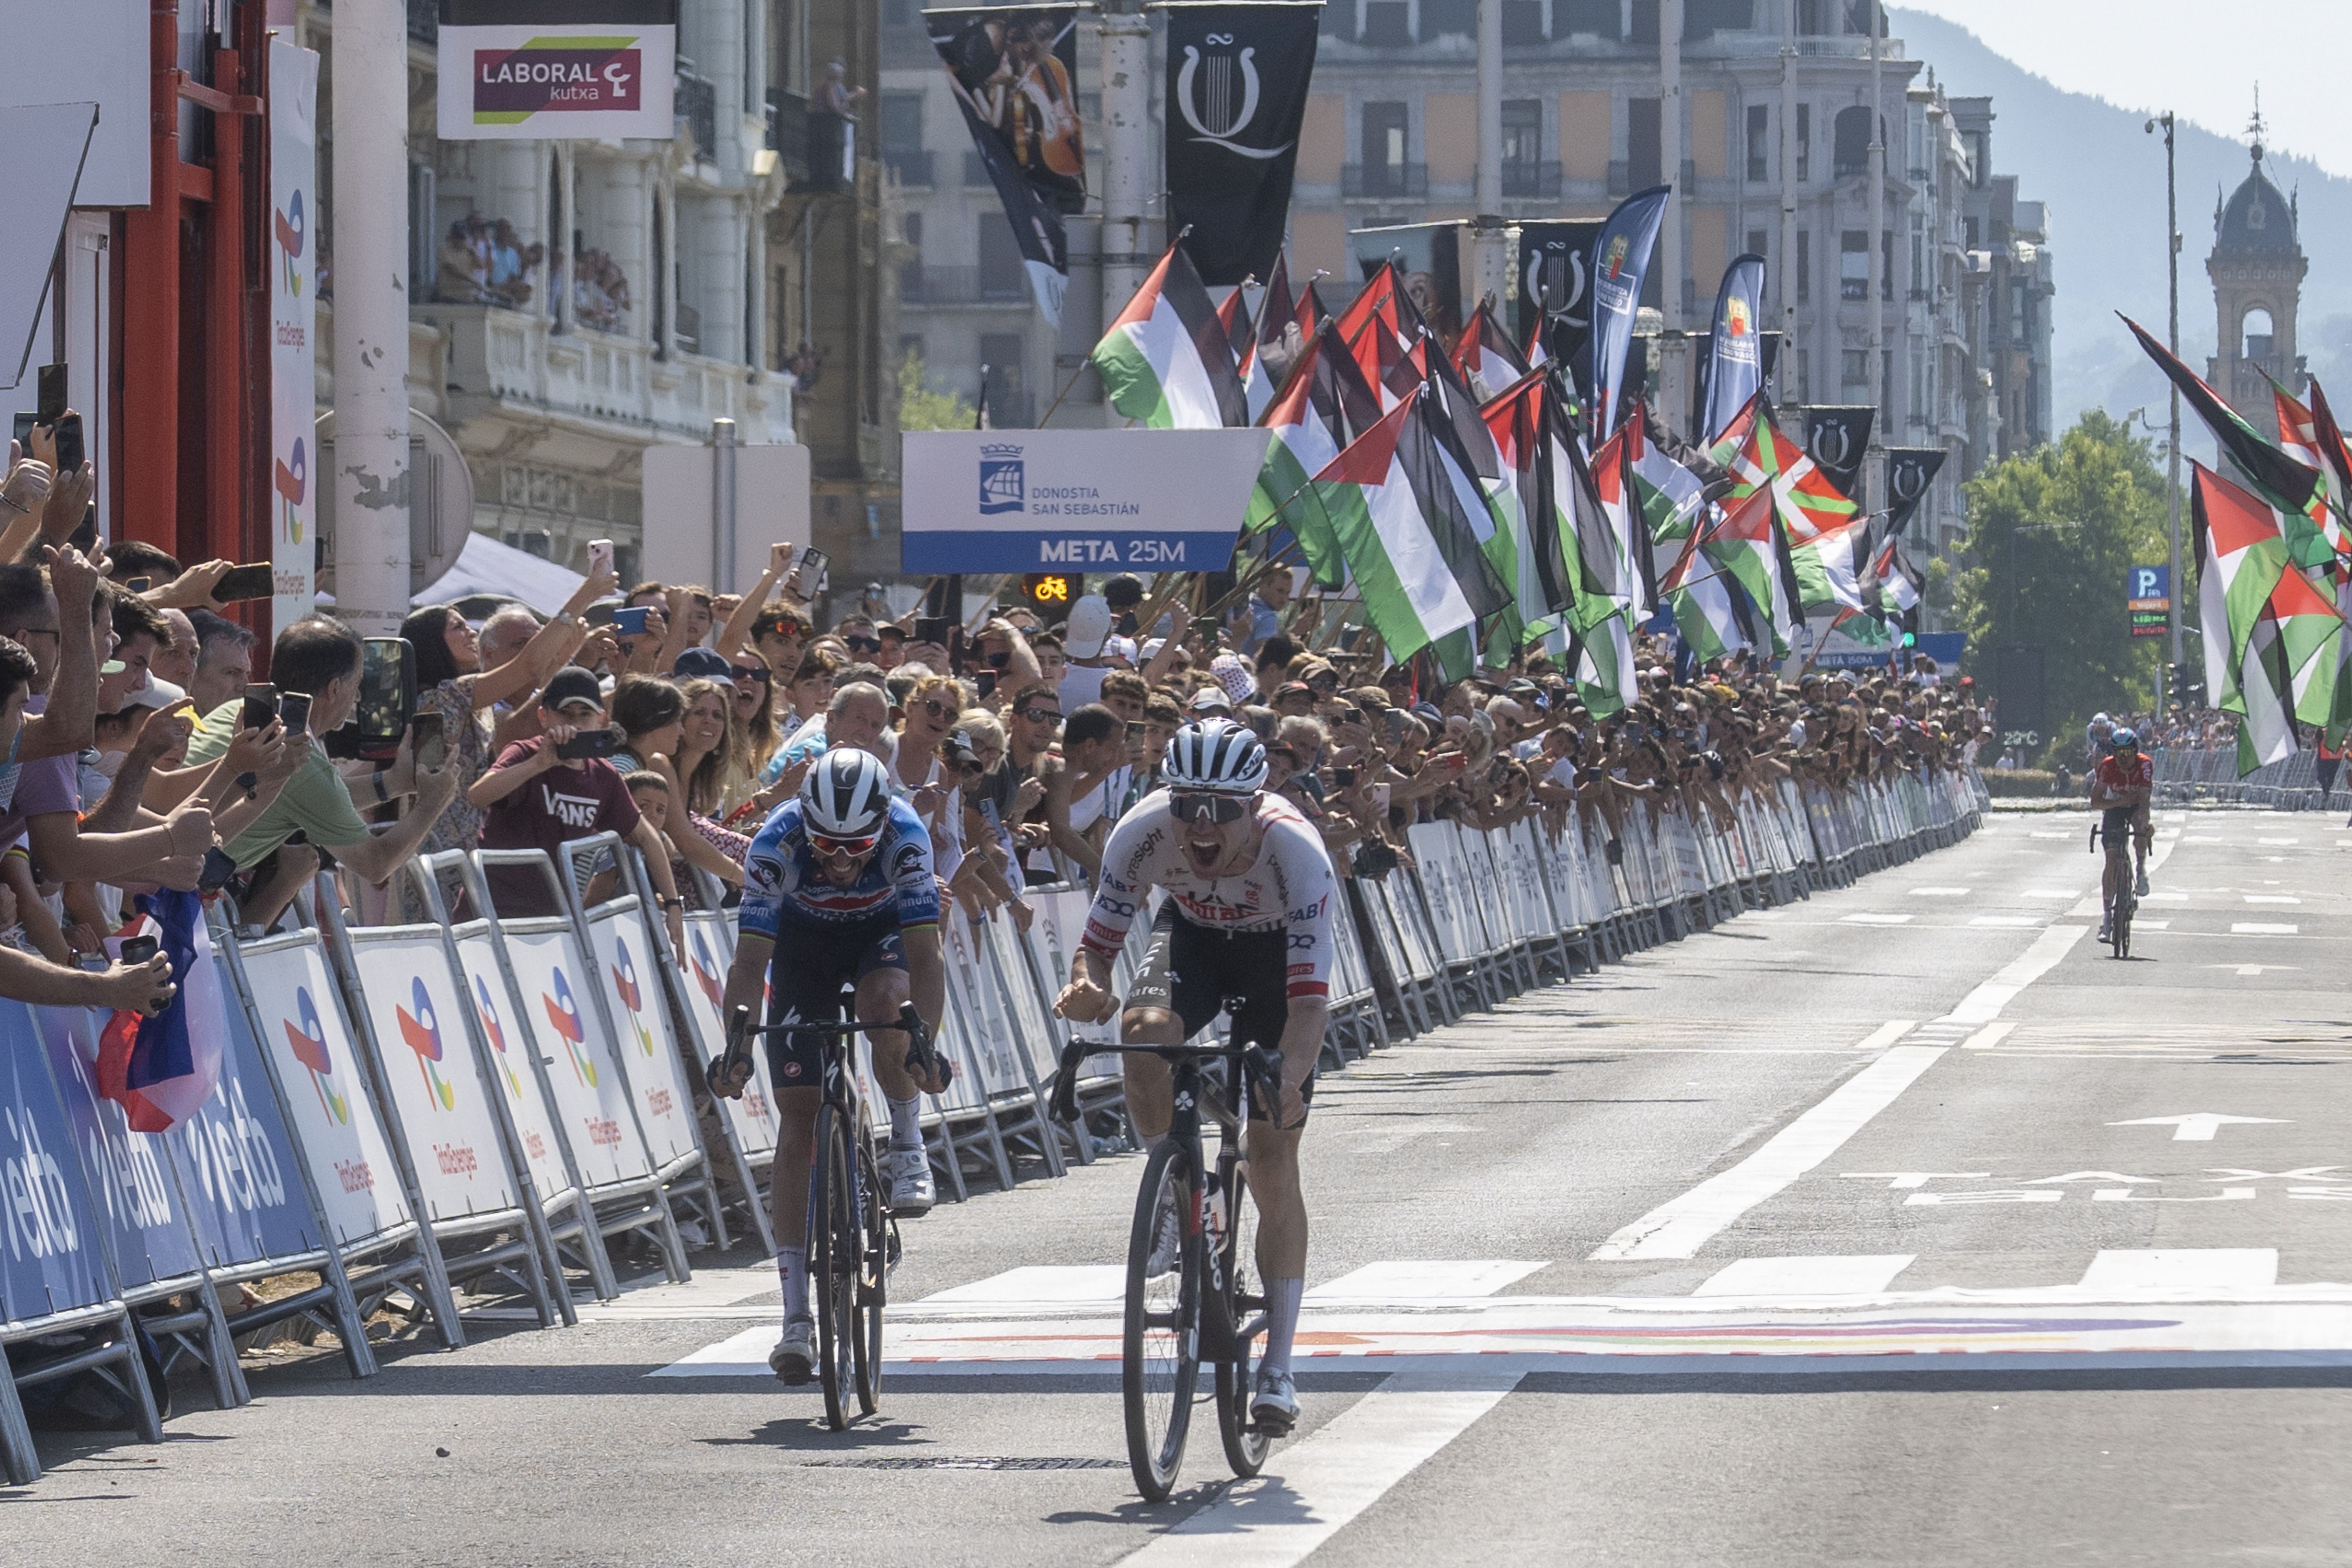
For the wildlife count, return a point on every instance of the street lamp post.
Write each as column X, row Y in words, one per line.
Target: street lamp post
column 2172, row 341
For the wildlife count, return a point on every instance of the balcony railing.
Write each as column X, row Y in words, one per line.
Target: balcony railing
column 923, row 284
column 1384, row 182
column 788, row 133
column 696, row 109
column 912, row 165
column 1533, row 180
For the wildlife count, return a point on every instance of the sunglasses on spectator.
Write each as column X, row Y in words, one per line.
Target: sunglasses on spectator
column 862, row 645
column 937, row 709
column 751, row 673
column 1324, row 683
column 1192, row 806
column 842, row 848
column 1040, row 715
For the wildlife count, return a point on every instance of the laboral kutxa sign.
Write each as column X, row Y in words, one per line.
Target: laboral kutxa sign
column 545, row 70
column 1103, row 501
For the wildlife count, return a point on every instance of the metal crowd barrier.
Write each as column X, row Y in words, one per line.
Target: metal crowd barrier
column 2211, row 772
column 500, row 1098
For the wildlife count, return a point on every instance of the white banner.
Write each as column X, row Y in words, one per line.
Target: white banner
column 591, row 1095
column 547, row 80
column 640, row 1015
column 326, row 1094
column 534, row 1123
column 1097, row 500
column 708, row 957
column 294, row 236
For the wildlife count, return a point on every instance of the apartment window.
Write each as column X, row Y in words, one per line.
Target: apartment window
column 1523, row 132
column 912, row 225
column 1886, row 264
column 902, row 138
column 1804, row 265
column 1849, row 143
column 1594, row 16
column 1388, row 23
column 1918, row 379
column 1855, row 374
column 1804, row 371
column 1522, row 22
column 1338, row 19
column 1854, row 264
column 1759, row 142
column 1003, row 274
column 1645, row 150
column 1918, row 256
column 1758, row 241
column 1805, row 142
column 1439, row 17
column 1002, row 355
column 1384, row 137
column 1969, row 228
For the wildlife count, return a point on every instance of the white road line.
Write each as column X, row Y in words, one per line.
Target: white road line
column 1984, row 1004
column 2051, row 893
column 2182, row 1268
column 1041, row 1284
column 2014, row 921
column 1410, row 1279
column 1886, row 1034
column 2272, row 898
column 1681, row 1226
column 2269, row 841
column 2262, row 928
column 1872, row 920
column 1940, row 892
column 1311, row 1490
column 1844, row 1274
column 1990, row 1036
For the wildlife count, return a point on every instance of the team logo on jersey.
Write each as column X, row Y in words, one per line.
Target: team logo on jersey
column 563, row 1013
column 632, row 994
column 308, row 1040
column 421, row 1029
column 485, row 1009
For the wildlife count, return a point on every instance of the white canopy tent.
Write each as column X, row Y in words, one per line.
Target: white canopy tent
column 487, row 566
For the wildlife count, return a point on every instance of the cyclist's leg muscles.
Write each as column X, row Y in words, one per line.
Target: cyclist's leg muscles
column 788, row 1178
column 1156, row 1016
column 881, row 992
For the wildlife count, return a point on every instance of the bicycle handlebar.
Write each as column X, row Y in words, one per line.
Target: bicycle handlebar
column 1262, row 1067
column 730, row 1069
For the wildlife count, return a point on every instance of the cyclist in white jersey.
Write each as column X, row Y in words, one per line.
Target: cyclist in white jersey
column 1246, row 922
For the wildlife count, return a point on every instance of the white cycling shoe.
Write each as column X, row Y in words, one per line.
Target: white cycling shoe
column 793, row 1360
column 2106, row 928
column 1274, row 1408
column 908, row 1172
column 2140, row 888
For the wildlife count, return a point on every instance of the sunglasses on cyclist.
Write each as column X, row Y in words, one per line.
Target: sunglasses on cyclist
column 862, row 645
column 1192, row 806
column 842, row 848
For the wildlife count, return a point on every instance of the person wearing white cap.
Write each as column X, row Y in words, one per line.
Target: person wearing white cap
column 1083, row 637
column 1208, row 702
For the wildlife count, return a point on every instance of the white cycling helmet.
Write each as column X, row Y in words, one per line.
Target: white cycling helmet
column 846, row 795
column 1219, row 756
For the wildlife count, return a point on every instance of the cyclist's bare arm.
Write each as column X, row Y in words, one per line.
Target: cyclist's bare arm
column 747, row 977
column 927, row 974
column 1086, row 998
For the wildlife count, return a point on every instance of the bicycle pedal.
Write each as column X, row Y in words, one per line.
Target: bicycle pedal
column 893, row 1249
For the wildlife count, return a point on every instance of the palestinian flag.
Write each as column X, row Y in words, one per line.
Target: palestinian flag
column 1301, row 449
column 1705, row 606
column 1368, row 327
column 2241, row 556
column 1242, row 337
column 1285, row 327
column 1745, row 545
column 1166, row 360
column 2302, row 437
column 1619, row 494
column 1484, row 356
column 1806, row 501
column 1603, row 667
column 1346, row 402
column 1671, row 495
column 1734, row 435
column 2285, row 483
column 1899, row 585
column 1541, row 580
column 1380, row 494
column 1831, row 572
column 2309, row 633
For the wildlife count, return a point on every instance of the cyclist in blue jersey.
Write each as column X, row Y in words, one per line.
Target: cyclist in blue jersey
column 838, row 888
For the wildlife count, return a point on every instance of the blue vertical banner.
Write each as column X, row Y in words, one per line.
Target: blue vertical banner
column 51, row 1260
column 1621, row 258
column 1735, row 360
column 130, row 1188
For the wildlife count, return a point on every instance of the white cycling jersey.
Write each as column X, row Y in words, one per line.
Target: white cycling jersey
column 1289, row 887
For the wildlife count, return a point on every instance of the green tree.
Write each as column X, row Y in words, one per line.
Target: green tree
column 920, row 408
column 2051, row 535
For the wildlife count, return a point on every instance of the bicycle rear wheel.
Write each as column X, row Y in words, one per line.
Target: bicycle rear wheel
column 2124, row 905
column 1160, row 1365
column 873, row 1279
column 1245, row 1447
column 833, row 1263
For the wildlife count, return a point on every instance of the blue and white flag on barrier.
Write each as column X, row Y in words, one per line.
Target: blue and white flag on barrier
column 160, row 1069
column 1621, row 258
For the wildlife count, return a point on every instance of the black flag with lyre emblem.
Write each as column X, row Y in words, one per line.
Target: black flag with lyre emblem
column 1836, row 436
column 1236, row 86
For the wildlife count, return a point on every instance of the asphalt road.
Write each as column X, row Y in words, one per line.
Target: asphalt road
column 1901, row 1225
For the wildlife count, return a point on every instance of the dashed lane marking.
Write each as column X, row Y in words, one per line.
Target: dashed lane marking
column 2263, row 928
column 1876, row 920
column 2013, row 921
column 1846, row 1274
column 2203, row 1269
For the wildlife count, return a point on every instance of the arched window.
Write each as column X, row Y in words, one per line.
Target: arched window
column 2254, row 330
column 1850, row 144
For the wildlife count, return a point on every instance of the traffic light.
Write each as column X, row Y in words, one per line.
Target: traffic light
column 1051, row 594
column 1910, row 640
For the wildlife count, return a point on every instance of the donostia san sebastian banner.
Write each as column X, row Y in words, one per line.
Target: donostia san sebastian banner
column 547, row 69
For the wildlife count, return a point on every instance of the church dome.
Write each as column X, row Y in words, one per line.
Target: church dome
column 2256, row 216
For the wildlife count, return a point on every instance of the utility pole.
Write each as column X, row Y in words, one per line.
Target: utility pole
column 2172, row 341
column 1873, row 487
column 1127, row 158
column 1491, row 258
column 1786, row 269
column 1674, row 355
column 370, row 55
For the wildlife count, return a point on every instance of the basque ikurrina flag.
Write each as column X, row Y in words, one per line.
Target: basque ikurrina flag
column 1166, row 360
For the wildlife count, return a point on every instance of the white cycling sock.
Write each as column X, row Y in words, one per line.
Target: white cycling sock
column 791, row 1269
column 905, row 1122
column 1281, row 1321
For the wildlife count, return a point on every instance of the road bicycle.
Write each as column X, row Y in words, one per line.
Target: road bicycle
column 2119, row 861
column 1192, row 1289
column 852, row 1237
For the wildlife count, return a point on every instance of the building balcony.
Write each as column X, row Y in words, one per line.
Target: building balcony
column 600, row 387
column 696, row 111
column 1384, row 182
column 1533, row 182
column 920, row 283
column 912, row 165
column 788, row 134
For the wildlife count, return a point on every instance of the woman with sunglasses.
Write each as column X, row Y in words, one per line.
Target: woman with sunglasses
column 920, row 777
column 755, row 706
column 1248, row 916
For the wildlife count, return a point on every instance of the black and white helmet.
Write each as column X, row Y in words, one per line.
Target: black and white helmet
column 846, row 795
column 1220, row 756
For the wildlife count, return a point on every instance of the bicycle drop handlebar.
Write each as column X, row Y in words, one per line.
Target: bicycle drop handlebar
column 730, row 1069
column 1263, row 1067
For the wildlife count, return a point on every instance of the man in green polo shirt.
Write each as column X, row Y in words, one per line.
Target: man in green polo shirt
column 320, row 657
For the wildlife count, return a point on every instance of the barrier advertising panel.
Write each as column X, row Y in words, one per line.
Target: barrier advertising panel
column 534, row 1122
column 641, row 1029
column 49, row 1257
column 592, row 1098
column 707, row 958
column 132, row 1192
column 238, row 1173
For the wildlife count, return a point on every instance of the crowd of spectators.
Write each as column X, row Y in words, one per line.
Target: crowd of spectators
column 678, row 720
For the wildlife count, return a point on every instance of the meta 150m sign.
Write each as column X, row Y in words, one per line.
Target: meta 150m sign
column 1100, row 500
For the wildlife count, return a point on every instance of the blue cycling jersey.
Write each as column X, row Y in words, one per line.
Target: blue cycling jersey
column 785, row 886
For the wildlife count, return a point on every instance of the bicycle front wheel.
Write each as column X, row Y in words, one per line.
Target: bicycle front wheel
column 872, row 1280
column 1161, row 1363
column 833, row 1263
column 1245, row 1447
